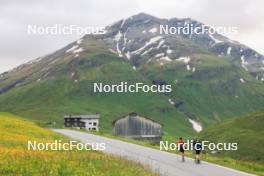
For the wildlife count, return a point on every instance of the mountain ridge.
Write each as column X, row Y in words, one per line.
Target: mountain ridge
column 221, row 50
column 218, row 44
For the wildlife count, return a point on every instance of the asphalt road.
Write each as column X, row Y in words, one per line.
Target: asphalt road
column 166, row 163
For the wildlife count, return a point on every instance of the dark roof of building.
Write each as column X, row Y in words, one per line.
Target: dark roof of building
column 92, row 116
column 136, row 114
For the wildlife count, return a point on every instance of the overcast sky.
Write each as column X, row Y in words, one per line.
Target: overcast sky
column 17, row 47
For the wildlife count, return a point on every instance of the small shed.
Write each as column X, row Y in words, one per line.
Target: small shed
column 89, row 122
column 135, row 126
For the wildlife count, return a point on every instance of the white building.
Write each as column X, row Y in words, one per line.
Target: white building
column 89, row 122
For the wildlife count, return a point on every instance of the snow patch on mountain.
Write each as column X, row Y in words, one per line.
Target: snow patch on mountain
column 188, row 67
column 243, row 63
column 154, row 39
column 79, row 41
column 243, row 60
column 229, row 50
column 171, row 102
column 74, row 47
column 112, row 51
column 78, row 50
column 118, row 50
column 169, row 51
column 186, row 60
column 166, row 58
column 242, row 80
column 215, row 39
column 128, row 55
column 159, row 55
column 123, row 22
column 245, row 67
column 196, row 126
column 147, row 51
column 118, row 36
column 153, row 30
column 150, row 42
column 160, row 44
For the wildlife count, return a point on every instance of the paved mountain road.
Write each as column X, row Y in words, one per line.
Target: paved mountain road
column 166, row 163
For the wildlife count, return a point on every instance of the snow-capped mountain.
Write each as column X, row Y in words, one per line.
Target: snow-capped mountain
column 141, row 36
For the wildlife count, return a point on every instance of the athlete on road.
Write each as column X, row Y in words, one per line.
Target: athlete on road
column 197, row 146
column 180, row 144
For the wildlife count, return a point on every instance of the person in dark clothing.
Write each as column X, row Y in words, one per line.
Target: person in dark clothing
column 180, row 144
column 197, row 146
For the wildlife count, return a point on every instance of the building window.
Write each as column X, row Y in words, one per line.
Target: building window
column 94, row 124
column 94, row 129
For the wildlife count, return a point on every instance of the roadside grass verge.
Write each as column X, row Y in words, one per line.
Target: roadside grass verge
column 16, row 159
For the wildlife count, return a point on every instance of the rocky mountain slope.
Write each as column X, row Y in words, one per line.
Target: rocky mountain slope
column 144, row 35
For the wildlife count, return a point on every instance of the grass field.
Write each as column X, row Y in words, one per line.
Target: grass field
column 15, row 159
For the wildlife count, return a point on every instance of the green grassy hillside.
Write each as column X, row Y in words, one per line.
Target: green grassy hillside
column 50, row 100
column 50, row 89
column 212, row 93
column 248, row 132
column 15, row 159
